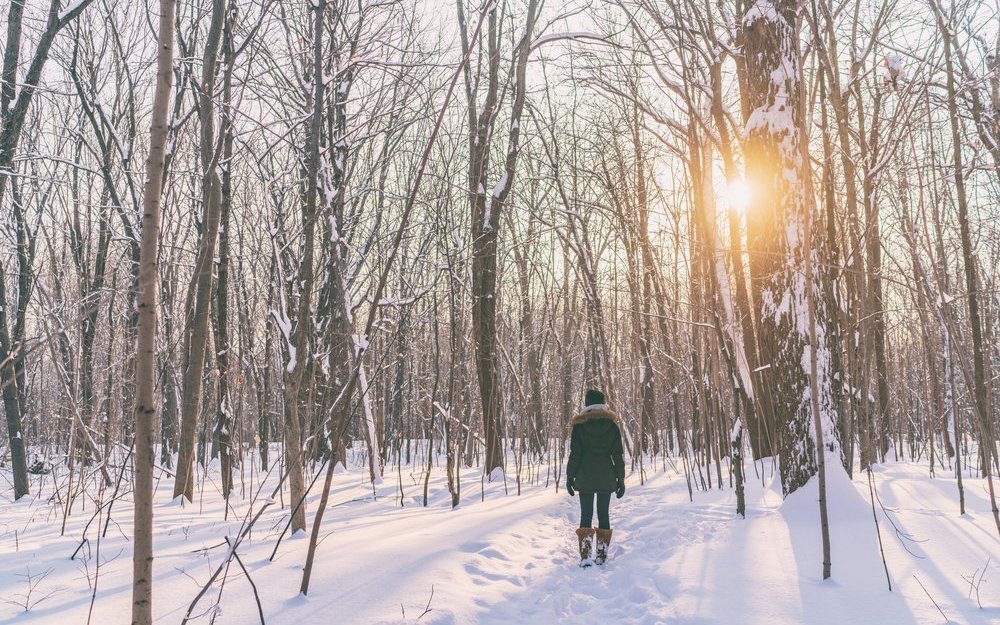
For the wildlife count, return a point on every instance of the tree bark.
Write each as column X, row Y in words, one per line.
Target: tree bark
column 486, row 212
column 202, row 278
column 777, row 218
column 224, row 422
column 303, row 327
column 145, row 413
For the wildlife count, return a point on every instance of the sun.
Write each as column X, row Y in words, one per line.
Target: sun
column 736, row 195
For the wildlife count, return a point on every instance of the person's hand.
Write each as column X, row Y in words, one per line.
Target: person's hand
column 621, row 489
column 569, row 488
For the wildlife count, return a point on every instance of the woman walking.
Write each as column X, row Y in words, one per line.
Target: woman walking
column 596, row 469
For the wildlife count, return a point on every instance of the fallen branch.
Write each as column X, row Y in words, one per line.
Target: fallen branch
column 878, row 532
column 247, row 526
column 256, row 596
column 946, row 619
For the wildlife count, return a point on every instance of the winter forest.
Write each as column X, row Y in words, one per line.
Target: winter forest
column 299, row 300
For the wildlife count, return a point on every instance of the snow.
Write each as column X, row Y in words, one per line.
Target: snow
column 734, row 433
column 360, row 343
column 496, row 475
column 280, row 314
column 371, row 428
column 944, row 299
column 334, row 230
column 775, row 119
column 501, row 185
column 893, row 68
column 73, row 6
column 285, row 327
column 761, row 10
column 510, row 559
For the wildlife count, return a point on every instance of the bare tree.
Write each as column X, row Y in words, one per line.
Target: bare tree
column 14, row 105
column 487, row 209
column 980, row 401
column 200, row 290
column 145, row 410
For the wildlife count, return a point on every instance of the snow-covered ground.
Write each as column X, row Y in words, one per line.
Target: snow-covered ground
column 510, row 558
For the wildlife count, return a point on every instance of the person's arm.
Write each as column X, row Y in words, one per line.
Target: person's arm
column 575, row 456
column 617, row 456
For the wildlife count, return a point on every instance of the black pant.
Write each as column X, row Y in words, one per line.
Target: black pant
column 587, row 510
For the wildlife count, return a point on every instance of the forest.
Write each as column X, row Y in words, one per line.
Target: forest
column 254, row 250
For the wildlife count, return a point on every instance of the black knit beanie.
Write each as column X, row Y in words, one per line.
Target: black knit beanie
column 593, row 397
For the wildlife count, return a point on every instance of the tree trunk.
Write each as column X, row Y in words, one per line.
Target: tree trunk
column 777, row 218
column 301, row 340
column 200, row 288
column 486, row 212
column 854, row 399
column 145, row 413
column 224, row 422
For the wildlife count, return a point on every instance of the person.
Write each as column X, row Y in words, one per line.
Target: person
column 595, row 470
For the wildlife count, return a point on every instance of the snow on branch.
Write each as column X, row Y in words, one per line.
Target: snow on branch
column 75, row 8
column 575, row 36
column 500, row 187
column 280, row 312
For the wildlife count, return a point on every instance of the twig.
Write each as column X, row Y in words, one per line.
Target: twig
column 298, row 505
column 878, row 532
column 428, row 608
column 118, row 484
column 222, row 586
column 97, row 561
column 900, row 534
column 946, row 619
column 247, row 526
column 96, row 514
column 974, row 585
column 33, row 581
column 256, row 596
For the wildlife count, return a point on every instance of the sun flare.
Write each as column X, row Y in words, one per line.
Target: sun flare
column 736, row 195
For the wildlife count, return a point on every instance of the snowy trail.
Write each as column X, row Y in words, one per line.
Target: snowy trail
column 511, row 559
column 514, row 561
column 674, row 561
column 627, row 589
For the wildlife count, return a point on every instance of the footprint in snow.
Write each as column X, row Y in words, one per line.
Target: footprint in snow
column 473, row 547
column 493, row 553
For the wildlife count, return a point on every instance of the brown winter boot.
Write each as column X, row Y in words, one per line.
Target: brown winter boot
column 585, row 535
column 603, row 541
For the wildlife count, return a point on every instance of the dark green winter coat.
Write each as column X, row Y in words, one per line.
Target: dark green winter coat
column 595, row 452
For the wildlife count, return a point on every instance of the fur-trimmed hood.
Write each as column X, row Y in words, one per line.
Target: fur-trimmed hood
column 594, row 411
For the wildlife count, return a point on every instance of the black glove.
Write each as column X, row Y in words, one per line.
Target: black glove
column 620, row 492
column 569, row 488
